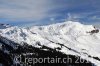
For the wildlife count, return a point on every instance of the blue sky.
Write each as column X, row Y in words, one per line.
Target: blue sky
column 42, row 12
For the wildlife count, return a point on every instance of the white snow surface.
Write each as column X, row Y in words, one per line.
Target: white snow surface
column 71, row 34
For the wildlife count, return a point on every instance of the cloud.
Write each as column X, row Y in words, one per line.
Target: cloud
column 37, row 10
column 24, row 9
column 30, row 9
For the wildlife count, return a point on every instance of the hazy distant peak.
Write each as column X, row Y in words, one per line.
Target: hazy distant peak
column 3, row 26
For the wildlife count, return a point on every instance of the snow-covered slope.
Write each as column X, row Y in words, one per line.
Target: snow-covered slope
column 71, row 37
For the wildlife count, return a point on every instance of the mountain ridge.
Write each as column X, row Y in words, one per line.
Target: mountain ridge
column 69, row 37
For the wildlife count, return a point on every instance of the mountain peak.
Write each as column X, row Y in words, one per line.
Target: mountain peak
column 3, row 26
column 72, row 37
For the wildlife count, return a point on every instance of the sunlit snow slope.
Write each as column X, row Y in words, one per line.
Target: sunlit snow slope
column 71, row 37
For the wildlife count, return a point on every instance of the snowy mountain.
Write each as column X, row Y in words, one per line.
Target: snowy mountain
column 3, row 26
column 71, row 38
